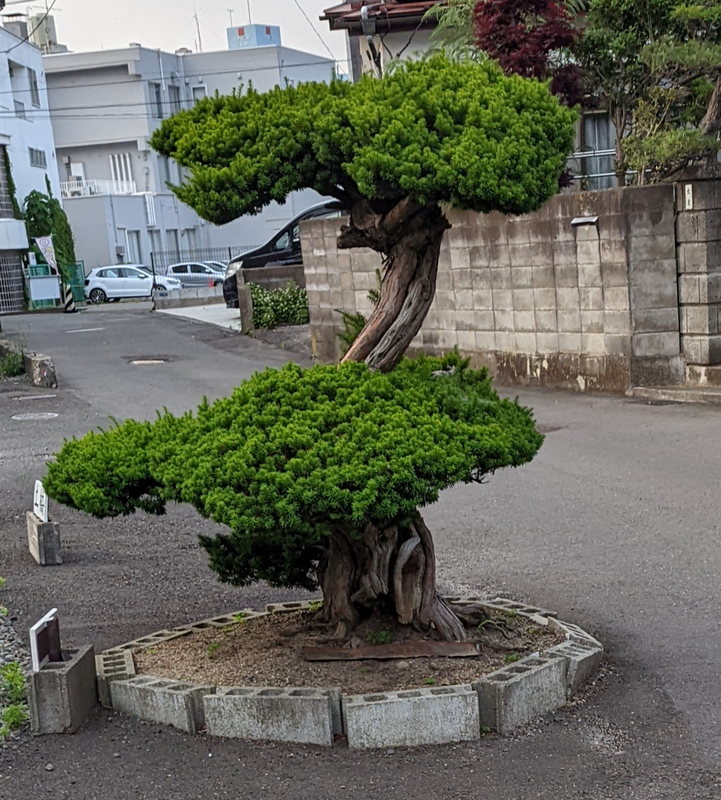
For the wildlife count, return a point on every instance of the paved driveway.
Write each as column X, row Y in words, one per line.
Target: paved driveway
column 615, row 525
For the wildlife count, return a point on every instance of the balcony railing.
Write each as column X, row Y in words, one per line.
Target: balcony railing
column 92, row 188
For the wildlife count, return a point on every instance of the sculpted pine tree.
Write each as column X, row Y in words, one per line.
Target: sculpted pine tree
column 319, row 474
column 395, row 153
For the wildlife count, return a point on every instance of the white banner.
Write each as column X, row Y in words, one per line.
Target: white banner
column 46, row 247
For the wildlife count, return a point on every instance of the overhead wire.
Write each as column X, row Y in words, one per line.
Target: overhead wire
column 29, row 36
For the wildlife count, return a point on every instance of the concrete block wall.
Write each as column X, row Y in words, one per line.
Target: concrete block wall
column 698, row 239
column 537, row 299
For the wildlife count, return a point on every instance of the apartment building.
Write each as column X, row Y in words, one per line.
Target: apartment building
column 27, row 150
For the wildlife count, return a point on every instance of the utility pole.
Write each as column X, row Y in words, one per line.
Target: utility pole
column 197, row 25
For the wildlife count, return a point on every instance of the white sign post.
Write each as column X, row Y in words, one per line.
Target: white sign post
column 45, row 641
column 40, row 502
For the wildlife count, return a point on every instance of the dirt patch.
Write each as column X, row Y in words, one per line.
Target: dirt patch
column 294, row 338
column 267, row 652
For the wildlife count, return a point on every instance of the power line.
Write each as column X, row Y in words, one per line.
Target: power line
column 29, row 36
column 315, row 30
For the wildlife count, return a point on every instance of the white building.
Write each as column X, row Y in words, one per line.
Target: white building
column 26, row 143
column 106, row 104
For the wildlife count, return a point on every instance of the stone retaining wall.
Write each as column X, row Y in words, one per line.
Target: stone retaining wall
column 583, row 294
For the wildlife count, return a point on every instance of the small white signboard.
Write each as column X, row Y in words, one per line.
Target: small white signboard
column 40, row 502
column 40, row 644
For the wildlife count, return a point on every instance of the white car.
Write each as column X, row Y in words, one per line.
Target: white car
column 125, row 280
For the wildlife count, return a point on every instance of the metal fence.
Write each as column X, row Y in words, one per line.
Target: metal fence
column 162, row 259
column 12, row 289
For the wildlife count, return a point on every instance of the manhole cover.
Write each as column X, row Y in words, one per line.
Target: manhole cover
column 36, row 397
column 141, row 362
column 31, row 417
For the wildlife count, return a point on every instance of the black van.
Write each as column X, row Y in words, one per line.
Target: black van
column 282, row 249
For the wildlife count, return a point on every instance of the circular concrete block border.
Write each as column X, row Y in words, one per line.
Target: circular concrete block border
column 501, row 700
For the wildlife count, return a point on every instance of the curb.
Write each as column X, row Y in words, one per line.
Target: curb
column 503, row 700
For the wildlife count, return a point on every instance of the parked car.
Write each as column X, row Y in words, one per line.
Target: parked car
column 124, row 280
column 195, row 273
column 283, row 249
column 219, row 266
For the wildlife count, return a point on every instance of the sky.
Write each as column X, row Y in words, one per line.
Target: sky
column 170, row 24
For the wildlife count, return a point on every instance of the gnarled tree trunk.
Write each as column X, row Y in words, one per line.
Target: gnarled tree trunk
column 409, row 237
column 392, row 570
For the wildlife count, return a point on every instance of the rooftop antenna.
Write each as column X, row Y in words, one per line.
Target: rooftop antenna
column 197, row 25
column 250, row 18
column 231, row 11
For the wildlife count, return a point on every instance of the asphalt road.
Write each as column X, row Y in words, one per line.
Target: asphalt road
column 615, row 525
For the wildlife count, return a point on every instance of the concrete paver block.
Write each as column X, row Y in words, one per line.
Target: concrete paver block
column 414, row 717
column 514, row 695
column 304, row 605
column 43, row 540
column 299, row 715
column 110, row 667
column 168, row 702
column 41, row 370
column 63, row 694
column 582, row 660
column 574, row 632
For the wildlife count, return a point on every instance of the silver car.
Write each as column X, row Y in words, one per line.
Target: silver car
column 194, row 273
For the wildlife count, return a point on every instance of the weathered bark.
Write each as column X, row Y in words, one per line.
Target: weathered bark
column 389, row 570
column 409, row 237
column 711, row 122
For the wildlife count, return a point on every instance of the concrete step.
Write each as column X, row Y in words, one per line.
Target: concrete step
column 710, row 395
column 697, row 375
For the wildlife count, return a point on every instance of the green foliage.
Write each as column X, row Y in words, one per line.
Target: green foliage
column 213, row 648
column 45, row 216
column 12, row 698
column 12, row 189
column 430, row 681
column 453, row 30
column 651, row 61
column 12, row 365
column 13, row 717
column 434, row 130
column 12, row 682
column 379, row 638
column 293, row 453
column 288, row 306
column 511, row 658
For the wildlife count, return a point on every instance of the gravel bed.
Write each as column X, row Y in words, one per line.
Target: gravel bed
column 11, row 649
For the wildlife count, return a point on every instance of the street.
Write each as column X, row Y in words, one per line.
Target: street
column 615, row 525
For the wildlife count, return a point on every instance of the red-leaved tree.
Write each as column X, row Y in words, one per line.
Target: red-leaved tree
column 534, row 39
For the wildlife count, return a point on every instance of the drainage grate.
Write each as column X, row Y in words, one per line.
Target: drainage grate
column 33, row 417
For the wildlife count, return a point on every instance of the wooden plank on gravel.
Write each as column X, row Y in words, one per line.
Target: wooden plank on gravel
column 386, row 652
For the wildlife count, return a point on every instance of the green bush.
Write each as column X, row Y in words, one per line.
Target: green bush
column 13, row 364
column 287, row 306
column 294, row 454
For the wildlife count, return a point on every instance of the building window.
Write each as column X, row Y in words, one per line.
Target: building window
column 20, row 109
column 38, row 158
column 121, row 167
column 594, row 160
column 133, row 241
column 171, row 234
column 6, row 200
column 34, row 89
column 156, row 100
column 156, row 241
column 174, row 99
column 199, row 93
column 191, row 239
